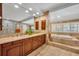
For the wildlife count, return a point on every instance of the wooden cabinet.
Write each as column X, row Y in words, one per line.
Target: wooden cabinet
column 35, row 42
column 0, row 50
column 0, row 16
column 43, row 39
column 38, row 41
column 43, row 24
column 22, row 47
column 12, row 50
column 27, row 46
column 37, row 25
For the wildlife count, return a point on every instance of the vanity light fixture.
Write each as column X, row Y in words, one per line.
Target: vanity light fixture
column 16, row 6
column 30, row 9
column 27, row 11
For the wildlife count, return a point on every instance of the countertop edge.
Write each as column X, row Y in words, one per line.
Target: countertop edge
column 7, row 40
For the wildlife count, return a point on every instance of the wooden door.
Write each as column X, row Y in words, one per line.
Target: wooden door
column 0, row 16
column 27, row 46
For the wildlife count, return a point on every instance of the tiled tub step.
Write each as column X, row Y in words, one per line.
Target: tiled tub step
column 64, row 46
column 72, row 42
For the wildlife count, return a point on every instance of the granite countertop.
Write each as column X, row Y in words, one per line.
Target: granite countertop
column 20, row 37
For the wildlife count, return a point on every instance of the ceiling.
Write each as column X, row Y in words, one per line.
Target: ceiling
column 19, row 14
column 69, row 13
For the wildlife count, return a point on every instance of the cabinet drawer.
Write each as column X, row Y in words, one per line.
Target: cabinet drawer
column 0, row 50
column 17, row 42
column 12, row 43
column 7, row 44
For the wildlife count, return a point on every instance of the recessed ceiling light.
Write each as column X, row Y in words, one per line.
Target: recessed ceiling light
column 34, row 14
column 16, row 6
column 0, row 17
column 20, row 3
column 27, row 11
column 37, row 13
column 30, row 9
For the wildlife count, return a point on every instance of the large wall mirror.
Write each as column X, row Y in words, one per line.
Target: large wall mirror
column 26, row 23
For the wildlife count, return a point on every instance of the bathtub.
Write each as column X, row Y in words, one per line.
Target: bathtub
column 65, row 39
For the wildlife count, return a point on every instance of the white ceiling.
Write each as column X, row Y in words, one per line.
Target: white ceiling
column 69, row 13
column 18, row 14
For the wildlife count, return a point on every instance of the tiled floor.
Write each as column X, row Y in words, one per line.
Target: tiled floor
column 54, row 51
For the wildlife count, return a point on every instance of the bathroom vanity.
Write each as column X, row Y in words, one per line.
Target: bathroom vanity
column 22, row 45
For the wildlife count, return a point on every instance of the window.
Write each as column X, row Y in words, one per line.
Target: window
column 66, row 27
column 73, row 27
column 78, row 27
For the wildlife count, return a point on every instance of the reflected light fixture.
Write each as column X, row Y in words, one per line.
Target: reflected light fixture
column 16, row 6
column 37, row 13
column 27, row 11
column 30, row 9
column 34, row 14
column 58, row 16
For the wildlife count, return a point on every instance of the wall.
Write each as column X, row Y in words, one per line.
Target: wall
column 29, row 21
column 69, row 13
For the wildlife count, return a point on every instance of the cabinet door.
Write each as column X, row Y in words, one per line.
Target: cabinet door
column 27, row 46
column 43, row 37
column 0, row 50
column 37, row 25
column 35, row 42
column 43, row 24
column 39, row 40
column 0, row 16
column 14, row 50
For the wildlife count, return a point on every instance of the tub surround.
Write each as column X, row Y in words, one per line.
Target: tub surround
column 66, row 42
column 21, row 45
column 61, row 36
